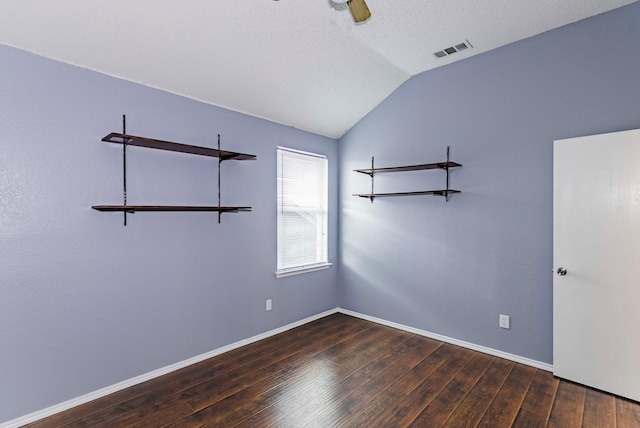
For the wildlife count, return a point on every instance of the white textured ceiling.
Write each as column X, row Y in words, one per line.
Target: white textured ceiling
column 296, row 62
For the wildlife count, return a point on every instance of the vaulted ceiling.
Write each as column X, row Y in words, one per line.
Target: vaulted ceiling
column 295, row 62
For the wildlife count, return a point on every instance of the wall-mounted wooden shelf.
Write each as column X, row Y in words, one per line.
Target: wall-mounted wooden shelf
column 437, row 165
column 425, row 166
column 151, row 143
column 134, row 208
column 424, row 192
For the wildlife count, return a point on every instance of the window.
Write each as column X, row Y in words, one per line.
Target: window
column 302, row 212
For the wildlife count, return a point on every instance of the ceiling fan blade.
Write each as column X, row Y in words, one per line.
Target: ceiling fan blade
column 359, row 10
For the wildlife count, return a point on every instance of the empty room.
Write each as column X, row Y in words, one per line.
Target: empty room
column 319, row 213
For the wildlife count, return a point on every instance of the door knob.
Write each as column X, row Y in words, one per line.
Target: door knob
column 561, row 271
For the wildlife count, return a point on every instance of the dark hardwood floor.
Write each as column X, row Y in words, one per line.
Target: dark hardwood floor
column 341, row 371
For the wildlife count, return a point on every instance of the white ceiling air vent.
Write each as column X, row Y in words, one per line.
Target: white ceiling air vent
column 453, row 49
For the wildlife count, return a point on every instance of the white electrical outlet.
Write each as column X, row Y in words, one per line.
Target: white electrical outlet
column 505, row 321
column 268, row 305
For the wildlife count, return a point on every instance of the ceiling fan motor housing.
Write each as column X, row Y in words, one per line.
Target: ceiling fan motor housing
column 358, row 8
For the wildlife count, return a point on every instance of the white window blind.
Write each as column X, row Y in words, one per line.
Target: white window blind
column 302, row 211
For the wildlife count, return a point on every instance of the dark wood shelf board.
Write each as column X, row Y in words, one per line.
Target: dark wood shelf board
column 424, row 192
column 436, row 165
column 151, row 143
column 134, row 208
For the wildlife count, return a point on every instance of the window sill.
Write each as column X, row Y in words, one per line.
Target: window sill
column 298, row 271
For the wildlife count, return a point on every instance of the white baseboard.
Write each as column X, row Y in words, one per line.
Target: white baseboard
column 49, row 411
column 518, row 359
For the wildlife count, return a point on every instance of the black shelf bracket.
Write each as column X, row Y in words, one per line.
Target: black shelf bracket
column 446, row 168
column 220, row 159
column 372, row 175
column 124, row 166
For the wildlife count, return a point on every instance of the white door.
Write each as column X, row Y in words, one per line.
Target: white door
column 596, row 241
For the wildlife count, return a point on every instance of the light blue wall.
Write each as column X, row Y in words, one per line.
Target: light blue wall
column 85, row 302
column 452, row 268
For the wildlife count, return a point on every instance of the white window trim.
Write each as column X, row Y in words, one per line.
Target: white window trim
column 303, row 269
column 302, row 152
column 282, row 273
